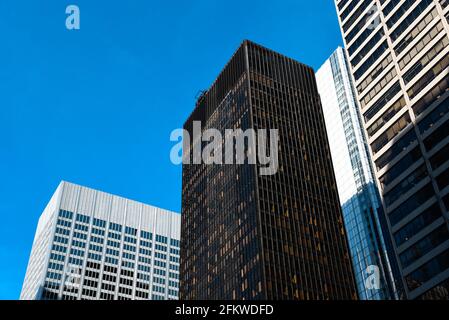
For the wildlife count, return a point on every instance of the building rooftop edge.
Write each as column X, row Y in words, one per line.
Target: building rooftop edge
column 65, row 182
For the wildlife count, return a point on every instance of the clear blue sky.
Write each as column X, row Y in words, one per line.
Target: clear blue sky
column 96, row 106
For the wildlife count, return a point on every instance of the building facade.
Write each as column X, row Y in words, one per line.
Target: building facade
column 90, row 245
column 398, row 57
column 251, row 236
column 369, row 239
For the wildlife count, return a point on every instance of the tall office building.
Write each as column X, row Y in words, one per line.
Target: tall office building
column 398, row 56
column 369, row 239
column 251, row 236
column 92, row 245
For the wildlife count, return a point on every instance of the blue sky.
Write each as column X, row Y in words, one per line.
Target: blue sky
column 96, row 106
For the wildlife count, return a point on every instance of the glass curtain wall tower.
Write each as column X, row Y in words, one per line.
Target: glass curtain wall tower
column 362, row 209
column 398, row 53
column 248, row 236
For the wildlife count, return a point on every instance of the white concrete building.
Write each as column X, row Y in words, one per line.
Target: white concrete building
column 398, row 55
column 93, row 245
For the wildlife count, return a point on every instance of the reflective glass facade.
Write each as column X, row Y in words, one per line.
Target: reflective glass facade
column 369, row 240
column 398, row 53
column 247, row 236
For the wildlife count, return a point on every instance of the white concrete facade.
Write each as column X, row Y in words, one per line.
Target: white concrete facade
column 398, row 54
column 93, row 245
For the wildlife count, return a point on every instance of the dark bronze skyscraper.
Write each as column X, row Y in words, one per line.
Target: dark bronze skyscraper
column 252, row 236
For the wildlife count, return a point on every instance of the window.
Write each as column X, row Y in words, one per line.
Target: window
column 66, row 214
column 64, row 223
column 382, row 101
column 62, row 231
column 161, row 239
column 62, row 240
column 111, row 260
column 145, row 260
column 386, row 116
column 131, row 231
column 371, row 60
column 432, row 118
column 128, row 247
column 129, row 256
column 421, row 43
column 114, row 235
column 424, row 246
column 425, row 60
column 431, row 97
column 160, row 247
column 428, row 271
column 130, row 239
column 128, row 264
column 80, row 244
column 443, row 179
column 367, row 48
column 355, row 14
column 96, row 240
column 79, row 235
column 99, row 223
column 146, row 235
column 145, row 252
column 82, row 218
column 112, row 252
column 81, row 227
column 406, row 185
column 416, row 225
column 114, row 244
column 391, row 133
column 94, row 256
column 160, row 256
column 428, row 77
column 77, row 252
column 410, row 18
column 145, row 243
column 95, row 248
column 437, row 136
column 98, row 232
column 440, row 157
column 375, row 73
column 414, row 202
column 174, row 243
column 115, row 227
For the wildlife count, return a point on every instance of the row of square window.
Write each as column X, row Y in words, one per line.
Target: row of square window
column 62, row 231
column 115, row 244
column 51, row 276
column 55, row 275
column 173, row 275
column 126, row 247
column 118, row 228
column 109, row 296
column 126, row 264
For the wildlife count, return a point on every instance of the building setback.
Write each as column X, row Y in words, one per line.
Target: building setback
column 91, row 245
column 398, row 53
column 251, row 236
column 368, row 236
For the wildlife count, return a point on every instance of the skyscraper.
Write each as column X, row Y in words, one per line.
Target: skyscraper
column 92, row 245
column 398, row 56
column 369, row 239
column 252, row 236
